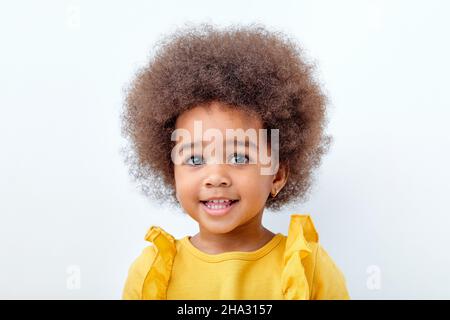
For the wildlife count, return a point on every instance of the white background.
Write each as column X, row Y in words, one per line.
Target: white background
column 69, row 207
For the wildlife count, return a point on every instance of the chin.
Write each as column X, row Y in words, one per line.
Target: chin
column 219, row 226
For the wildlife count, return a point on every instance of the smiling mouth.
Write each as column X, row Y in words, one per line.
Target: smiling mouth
column 218, row 208
column 218, row 205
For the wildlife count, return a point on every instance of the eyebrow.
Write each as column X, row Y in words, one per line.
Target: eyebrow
column 239, row 142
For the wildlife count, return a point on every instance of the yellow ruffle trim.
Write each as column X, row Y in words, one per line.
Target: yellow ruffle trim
column 157, row 280
column 293, row 279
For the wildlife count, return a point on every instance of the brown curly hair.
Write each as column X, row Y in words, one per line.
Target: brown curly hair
column 246, row 67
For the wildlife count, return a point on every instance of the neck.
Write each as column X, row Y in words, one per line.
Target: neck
column 247, row 237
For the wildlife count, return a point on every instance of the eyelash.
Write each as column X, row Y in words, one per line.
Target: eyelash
column 234, row 155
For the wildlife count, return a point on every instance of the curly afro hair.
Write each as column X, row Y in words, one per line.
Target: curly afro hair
column 246, row 67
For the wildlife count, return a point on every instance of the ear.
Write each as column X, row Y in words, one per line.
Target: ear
column 280, row 179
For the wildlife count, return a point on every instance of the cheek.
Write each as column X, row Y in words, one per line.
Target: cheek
column 252, row 184
column 185, row 185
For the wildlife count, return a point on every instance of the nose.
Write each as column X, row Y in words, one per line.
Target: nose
column 217, row 176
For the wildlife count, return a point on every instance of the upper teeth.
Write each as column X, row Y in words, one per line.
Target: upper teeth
column 218, row 201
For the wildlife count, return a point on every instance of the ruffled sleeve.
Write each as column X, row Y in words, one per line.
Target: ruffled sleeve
column 157, row 280
column 293, row 278
column 149, row 275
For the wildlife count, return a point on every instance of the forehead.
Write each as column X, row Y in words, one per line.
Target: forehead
column 218, row 116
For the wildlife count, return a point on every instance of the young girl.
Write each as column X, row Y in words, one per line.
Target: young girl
column 239, row 78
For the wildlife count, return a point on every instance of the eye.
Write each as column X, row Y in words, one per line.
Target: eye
column 196, row 161
column 240, row 158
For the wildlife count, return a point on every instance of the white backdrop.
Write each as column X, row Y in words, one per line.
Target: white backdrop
column 69, row 210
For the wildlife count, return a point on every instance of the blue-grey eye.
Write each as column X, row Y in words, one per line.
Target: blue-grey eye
column 241, row 158
column 196, row 162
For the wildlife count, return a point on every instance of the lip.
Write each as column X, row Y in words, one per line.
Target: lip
column 218, row 198
column 219, row 212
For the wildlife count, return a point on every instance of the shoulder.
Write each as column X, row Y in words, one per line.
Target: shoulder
column 150, row 272
column 324, row 277
column 327, row 281
column 137, row 272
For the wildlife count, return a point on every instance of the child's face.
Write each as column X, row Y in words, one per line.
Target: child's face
column 197, row 180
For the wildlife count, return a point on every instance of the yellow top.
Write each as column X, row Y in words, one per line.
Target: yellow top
column 295, row 267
